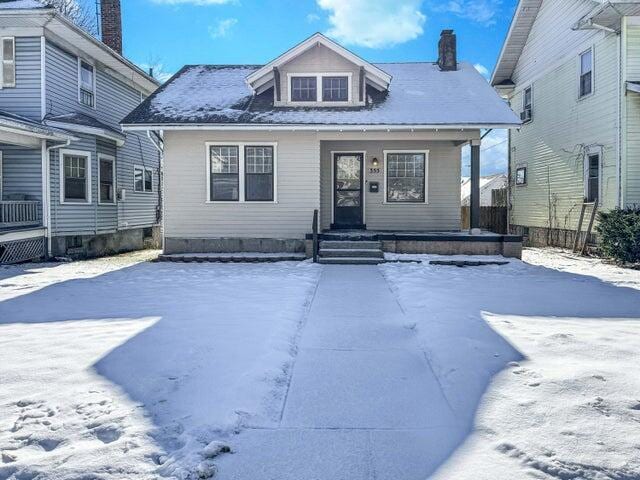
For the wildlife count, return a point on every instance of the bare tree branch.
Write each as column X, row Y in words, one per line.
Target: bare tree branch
column 78, row 13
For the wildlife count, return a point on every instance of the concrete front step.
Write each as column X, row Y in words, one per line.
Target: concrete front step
column 350, row 260
column 351, row 252
column 350, row 244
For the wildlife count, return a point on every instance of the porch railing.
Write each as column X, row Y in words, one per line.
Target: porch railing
column 20, row 213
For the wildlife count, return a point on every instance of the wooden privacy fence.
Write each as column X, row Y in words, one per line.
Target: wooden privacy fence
column 493, row 219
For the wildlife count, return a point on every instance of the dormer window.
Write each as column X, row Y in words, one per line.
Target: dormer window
column 335, row 89
column 304, row 89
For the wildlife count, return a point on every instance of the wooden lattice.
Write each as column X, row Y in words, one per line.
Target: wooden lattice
column 21, row 250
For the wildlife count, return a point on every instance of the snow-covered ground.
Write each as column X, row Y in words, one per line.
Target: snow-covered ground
column 119, row 368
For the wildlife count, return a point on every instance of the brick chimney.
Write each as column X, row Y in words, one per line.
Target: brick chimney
column 447, row 51
column 111, row 24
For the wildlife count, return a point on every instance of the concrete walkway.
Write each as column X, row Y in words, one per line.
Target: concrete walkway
column 362, row 403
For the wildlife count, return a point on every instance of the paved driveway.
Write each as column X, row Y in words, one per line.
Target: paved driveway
column 362, row 402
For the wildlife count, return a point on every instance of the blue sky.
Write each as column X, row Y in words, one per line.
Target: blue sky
column 171, row 33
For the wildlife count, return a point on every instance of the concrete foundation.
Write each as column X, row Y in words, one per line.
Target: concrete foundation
column 545, row 237
column 233, row 245
column 88, row 246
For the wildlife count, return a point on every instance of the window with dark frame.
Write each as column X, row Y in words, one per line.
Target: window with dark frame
column 335, row 89
column 87, row 83
column 258, row 173
column 148, row 180
column 75, row 178
column 406, row 177
column 304, row 89
column 107, row 191
column 521, row 176
column 225, row 173
column 586, row 73
column 593, row 177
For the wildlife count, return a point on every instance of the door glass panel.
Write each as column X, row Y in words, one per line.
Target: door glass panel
column 348, row 168
column 347, row 199
column 348, row 184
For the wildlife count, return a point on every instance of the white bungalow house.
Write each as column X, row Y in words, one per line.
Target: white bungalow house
column 251, row 151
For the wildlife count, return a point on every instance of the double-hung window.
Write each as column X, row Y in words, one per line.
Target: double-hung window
column 107, row 179
column 258, row 173
column 241, row 172
column 405, row 178
column 86, row 84
column 335, row 89
column 8, row 62
column 592, row 192
column 586, row 73
column 304, row 89
column 75, row 177
column 142, row 179
column 527, row 105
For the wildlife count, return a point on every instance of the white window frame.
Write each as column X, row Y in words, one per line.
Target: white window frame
column 144, row 169
column 593, row 72
column 589, row 152
column 241, row 171
column 76, row 153
column 103, row 156
column 426, row 177
column 524, row 96
column 319, row 77
column 15, row 73
column 95, row 74
column 1, row 174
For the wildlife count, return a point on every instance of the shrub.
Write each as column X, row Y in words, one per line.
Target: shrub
column 619, row 232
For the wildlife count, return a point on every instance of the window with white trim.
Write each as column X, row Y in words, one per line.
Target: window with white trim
column 586, row 73
column 592, row 177
column 107, row 179
column 304, row 89
column 76, row 177
column 405, row 177
column 8, row 62
column 241, row 172
column 142, row 179
column 335, row 89
column 258, row 173
column 86, row 84
column 521, row 176
column 527, row 105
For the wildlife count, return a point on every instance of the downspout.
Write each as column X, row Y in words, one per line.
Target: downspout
column 160, row 149
column 47, row 180
column 621, row 85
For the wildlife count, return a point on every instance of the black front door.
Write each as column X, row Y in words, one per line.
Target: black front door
column 348, row 198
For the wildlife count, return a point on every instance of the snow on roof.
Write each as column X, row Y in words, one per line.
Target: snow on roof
column 20, row 4
column 420, row 94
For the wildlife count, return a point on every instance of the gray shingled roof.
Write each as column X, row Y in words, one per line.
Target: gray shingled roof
column 420, row 94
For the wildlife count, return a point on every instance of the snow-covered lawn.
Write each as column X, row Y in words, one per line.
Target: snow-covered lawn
column 120, row 368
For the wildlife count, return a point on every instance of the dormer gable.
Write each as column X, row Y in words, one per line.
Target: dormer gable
column 318, row 72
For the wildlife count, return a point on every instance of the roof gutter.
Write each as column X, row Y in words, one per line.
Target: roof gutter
column 317, row 128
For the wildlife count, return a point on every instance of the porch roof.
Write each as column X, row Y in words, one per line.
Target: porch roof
column 18, row 130
column 81, row 123
column 419, row 96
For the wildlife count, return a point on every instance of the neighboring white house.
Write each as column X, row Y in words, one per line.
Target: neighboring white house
column 572, row 69
column 487, row 186
column 250, row 151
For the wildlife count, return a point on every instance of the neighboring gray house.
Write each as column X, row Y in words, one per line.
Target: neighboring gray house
column 250, row 151
column 71, row 183
column 572, row 69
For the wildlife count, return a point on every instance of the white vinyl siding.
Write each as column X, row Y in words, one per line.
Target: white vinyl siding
column 188, row 213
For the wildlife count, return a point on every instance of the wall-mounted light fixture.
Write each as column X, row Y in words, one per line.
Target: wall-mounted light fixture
column 374, row 162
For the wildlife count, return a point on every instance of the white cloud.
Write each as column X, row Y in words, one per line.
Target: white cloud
column 374, row 23
column 193, row 2
column 312, row 17
column 480, row 11
column 484, row 71
column 222, row 28
column 494, row 154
